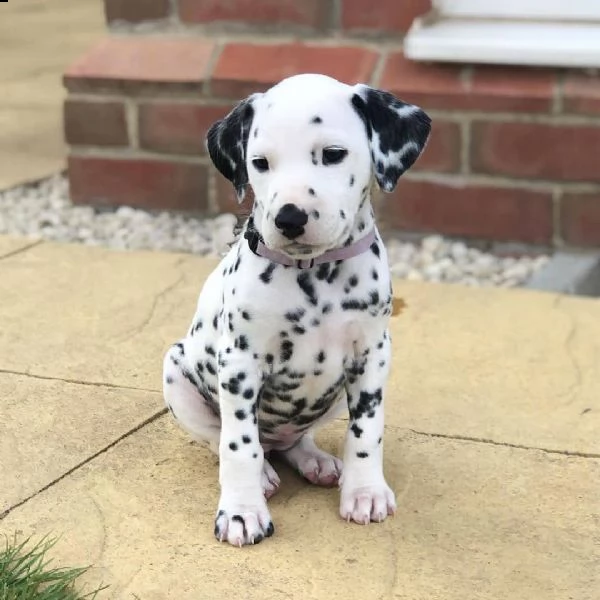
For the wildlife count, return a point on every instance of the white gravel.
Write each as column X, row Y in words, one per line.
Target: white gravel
column 44, row 210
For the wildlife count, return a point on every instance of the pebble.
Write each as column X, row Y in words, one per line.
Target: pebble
column 44, row 210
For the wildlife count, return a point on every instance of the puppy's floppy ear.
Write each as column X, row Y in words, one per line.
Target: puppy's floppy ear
column 227, row 141
column 397, row 132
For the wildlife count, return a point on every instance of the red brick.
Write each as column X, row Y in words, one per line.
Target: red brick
column 177, row 128
column 582, row 94
column 138, row 182
column 534, row 150
column 115, row 61
column 450, row 87
column 309, row 13
column 227, row 200
column 95, row 123
column 507, row 214
column 136, row 11
column 580, row 219
column 442, row 152
column 382, row 15
column 246, row 68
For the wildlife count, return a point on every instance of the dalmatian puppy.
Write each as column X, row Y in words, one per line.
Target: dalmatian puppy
column 292, row 326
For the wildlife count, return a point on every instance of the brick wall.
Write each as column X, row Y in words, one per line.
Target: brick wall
column 514, row 154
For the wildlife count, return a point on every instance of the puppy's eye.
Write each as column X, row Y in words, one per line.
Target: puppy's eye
column 260, row 163
column 334, row 155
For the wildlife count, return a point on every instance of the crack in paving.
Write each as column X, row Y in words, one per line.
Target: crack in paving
column 21, row 250
column 84, row 462
column 567, row 345
column 79, row 381
column 491, row 442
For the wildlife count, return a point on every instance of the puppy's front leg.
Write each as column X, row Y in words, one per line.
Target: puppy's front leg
column 242, row 516
column 365, row 494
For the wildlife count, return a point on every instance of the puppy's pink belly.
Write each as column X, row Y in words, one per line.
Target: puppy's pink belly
column 282, row 438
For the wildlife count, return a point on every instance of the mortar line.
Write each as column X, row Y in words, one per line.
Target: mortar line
column 487, row 441
column 84, row 462
column 491, row 442
column 21, row 250
column 78, row 382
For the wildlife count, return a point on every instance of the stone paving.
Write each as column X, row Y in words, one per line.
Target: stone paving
column 492, row 443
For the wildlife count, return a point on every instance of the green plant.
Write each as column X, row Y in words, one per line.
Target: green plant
column 26, row 574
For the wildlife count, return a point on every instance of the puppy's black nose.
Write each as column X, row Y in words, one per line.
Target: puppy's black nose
column 290, row 220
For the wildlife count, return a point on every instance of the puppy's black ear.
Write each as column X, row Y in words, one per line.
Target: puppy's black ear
column 227, row 141
column 397, row 132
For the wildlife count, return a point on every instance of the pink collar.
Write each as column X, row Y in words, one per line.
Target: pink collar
column 350, row 251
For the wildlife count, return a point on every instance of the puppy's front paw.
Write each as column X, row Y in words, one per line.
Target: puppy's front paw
column 242, row 524
column 367, row 503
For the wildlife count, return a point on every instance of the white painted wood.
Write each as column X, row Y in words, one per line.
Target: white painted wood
column 559, row 10
column 501, row 42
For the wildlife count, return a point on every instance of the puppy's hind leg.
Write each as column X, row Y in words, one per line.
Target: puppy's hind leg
column 196, row 415
column 192, row 411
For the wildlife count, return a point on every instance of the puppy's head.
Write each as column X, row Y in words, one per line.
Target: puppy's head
column 310, row 148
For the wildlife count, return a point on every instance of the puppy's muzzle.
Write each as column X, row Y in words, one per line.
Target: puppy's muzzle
column 290, row 220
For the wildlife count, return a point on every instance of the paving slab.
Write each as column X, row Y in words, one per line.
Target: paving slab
column 512, row 366
column 474, row 521
column 39, row 40
column 109, row 315
column 48, row 427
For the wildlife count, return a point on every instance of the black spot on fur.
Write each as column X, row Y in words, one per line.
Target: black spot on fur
column 269, row 358
column 362, row 454
column 354, row 304
column 304, row 280
column 246, row 439
column 286, row 351
column 295, row 315
column 351, row 180
column 375, row 249
column 240, row 414
column 210, row 368
column 322, row 271
column 246, row 315
column 356, row 430
column 242, row 342
column 367, row 402
column 342, row 214
column 321, row 357
column 316, row 120
column 248, row 394
column 313, row 156
column 375, row 274
column 233, row 446
column 311, row 191
column 267, row 274
column 168, row 379
column 326, row 308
